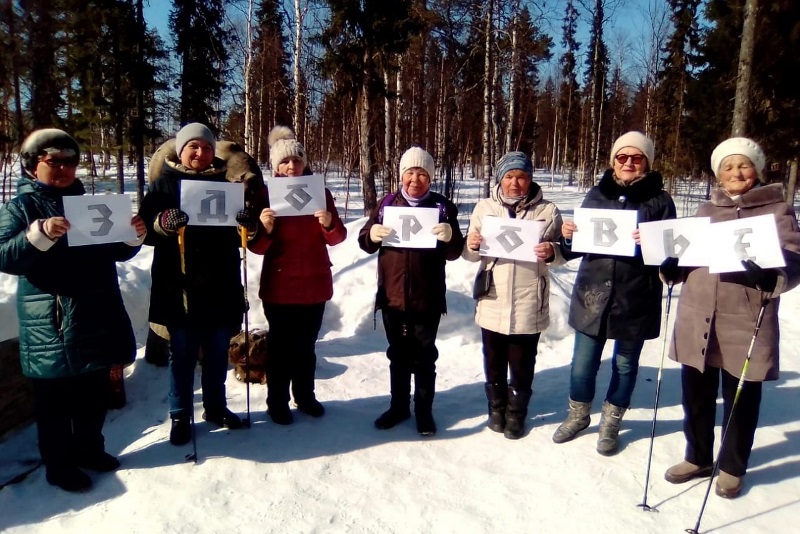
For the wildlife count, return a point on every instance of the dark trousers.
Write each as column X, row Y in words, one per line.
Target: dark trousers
column 412, row 350
column 293, row 331
column 516, row 352
column 70, row 413
column 699, row 408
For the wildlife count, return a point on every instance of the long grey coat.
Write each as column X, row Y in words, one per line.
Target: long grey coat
column 717, row 313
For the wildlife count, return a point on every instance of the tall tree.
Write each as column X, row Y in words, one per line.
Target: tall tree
column 362, row 37
column 200, row 41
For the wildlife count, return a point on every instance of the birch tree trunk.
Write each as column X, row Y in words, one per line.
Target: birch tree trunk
column 487, row 101
column 792, row 185
column 512, row 80
column 299, row 16
column 388, row 134
column 741, row 106
column 248, row 59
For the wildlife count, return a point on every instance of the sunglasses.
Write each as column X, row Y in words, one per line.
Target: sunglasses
column 623, row 158
column 68, row 163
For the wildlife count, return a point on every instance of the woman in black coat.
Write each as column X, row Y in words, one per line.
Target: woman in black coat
column 614, row 297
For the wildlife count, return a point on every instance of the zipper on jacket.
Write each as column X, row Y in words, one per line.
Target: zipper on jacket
column 59, row 316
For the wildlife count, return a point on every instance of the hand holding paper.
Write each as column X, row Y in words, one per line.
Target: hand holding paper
column 443, row 232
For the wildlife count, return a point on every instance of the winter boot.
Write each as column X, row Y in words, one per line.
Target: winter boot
column 728, row 486
column 686, row 471
column 497, row 395
column 516, row 413
column 610, row 419
column 181, row 431
column 424, row 391
column 577, row 420
column 398, row 411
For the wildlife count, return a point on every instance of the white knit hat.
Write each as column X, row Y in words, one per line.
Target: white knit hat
column 741, row 146
column 417, row 157
column 283, row 144
column 635, row 140
column 194, row 130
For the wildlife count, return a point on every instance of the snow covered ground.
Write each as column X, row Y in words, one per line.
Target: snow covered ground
column 340, row 474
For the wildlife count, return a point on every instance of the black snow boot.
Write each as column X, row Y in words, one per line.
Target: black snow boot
column 400, row 378
column 516, row 412
column 497, row 395
column 424, row 391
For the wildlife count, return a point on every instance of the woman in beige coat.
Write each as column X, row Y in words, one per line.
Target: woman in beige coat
column 716, row 319
column 515, row 311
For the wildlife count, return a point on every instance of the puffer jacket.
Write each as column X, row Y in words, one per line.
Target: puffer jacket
column 72, row 318
column 297, row 267
column 723, row 307
column 413, row 279
column 212, row 283
column 519, row 300
column 619, row 297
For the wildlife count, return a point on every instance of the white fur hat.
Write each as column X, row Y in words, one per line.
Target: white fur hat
column 417, row 157
column 742, row 146
column 283, row 144
column 635, row 140
column 194, row 130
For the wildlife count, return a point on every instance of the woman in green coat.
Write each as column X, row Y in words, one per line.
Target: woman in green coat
column 73, row 324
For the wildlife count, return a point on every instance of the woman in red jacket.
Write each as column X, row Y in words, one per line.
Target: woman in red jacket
column 296, row 282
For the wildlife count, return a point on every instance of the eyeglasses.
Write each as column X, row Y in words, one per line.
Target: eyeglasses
column 69, row 163
column 623, row 158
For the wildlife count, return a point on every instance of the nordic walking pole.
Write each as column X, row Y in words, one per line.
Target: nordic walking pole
column 243, row 233
column 644, row 505
column 739, row 386
column 182, row 248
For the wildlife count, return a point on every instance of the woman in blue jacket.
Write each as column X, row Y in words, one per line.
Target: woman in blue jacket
column 73, row 324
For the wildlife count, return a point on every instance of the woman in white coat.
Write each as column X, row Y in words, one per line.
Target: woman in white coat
column 515, row 310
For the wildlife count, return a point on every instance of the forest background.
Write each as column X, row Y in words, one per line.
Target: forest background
column 361, row 80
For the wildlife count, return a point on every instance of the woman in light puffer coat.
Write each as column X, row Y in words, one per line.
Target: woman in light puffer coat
column 516, row 309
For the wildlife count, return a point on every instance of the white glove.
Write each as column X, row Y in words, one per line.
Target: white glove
column 443, row 232
column 378, row 232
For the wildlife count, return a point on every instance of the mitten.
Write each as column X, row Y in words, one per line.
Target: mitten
column 247, row 221
column 378, row 232
column 762, row 279
column 170, row 220
column 669, row 270
column 443, row 232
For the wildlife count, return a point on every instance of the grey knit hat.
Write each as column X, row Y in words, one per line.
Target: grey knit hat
column 194, row 130
column 513, row 161
column 47, row 141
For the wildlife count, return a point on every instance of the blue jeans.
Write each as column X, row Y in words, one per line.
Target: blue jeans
column 586, row 362
column 184, row 348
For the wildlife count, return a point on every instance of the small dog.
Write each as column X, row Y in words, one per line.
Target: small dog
column 257, row 366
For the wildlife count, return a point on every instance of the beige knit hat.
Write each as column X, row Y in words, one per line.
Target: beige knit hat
column 417, row 157
column 283, row 144
column 742, row 146
column 635, row 140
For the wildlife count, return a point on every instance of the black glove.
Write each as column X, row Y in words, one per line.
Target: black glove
column 763, row 279
column 172, row 219
column 247, row 221
column 669, row 270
